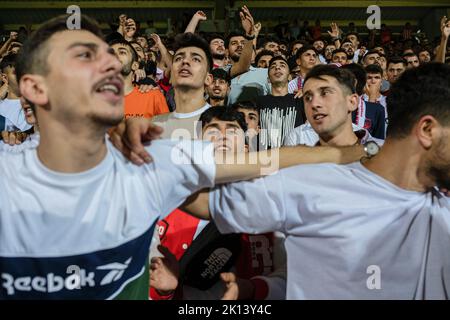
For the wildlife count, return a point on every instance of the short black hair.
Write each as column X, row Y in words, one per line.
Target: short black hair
column 409, row 54
column 360, row 76
column 270, row 39
column 371, row 52
column 263, row 53
column 219, row 73
column 231, row 35
column 339, row 50
column 213, row 36
column 190, row 39
column 278, row 58
column 223, row 114
column 33, row 56
column 420, row 91
column 396, row 60
column 352, row 34
column 8, row 61
column 121, row 41
column 303, row 49
column 374, row 68
column 247, row 105
column 345, row 78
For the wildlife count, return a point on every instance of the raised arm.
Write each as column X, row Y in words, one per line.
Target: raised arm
column 196, row 18
column 248, row 24
column 166, row 57
column 12, row 37
column 445, row 32
column 335, row 35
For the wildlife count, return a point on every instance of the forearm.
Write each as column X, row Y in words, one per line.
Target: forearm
column 192, row 25
column 166, row 57
column 244, row 60
column 440, row 54
column 256, row 164
column 5, row 46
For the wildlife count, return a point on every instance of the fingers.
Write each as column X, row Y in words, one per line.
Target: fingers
column 133, row 139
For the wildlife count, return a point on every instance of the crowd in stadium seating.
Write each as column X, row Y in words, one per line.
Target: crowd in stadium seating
column 68, row 196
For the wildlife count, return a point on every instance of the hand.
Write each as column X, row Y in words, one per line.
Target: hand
column 373, row 91
column 247, row 21
column 130, row 136
column 4, row 78
column 156, row 39
column 237, row 288
column 164, row 272
column 362, row 51
column 130, row 29
column 139, row 74
column 122, row 22
column 13, row 35
column 200, row 16
column 445, row 27
column 257, row 28
column 298, row 94
column 144, row 88
column 334, row 30
column 13, row 137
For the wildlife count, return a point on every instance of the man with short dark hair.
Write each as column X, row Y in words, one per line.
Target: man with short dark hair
column 424, row 56
column 371, row 57
column 383, row 213
column 219, row 88
column 306, row 58
column 412, row 60
column 137, row 104
column 280, row 112
column 263, row 58
column 339, row 56
column 395, row 67
column 368, row 115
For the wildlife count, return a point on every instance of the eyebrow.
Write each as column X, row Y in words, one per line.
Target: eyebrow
column 320, row 88
column 91, row 45
column 184, row 54
column 216, row 126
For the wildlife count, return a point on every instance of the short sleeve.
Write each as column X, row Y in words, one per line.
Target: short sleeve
column 254, row 207
column 181, row 168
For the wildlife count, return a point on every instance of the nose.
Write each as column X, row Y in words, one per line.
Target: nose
column 110, row 62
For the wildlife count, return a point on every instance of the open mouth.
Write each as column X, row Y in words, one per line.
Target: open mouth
column 319, row 116
column 184, row 72
column 111, row 88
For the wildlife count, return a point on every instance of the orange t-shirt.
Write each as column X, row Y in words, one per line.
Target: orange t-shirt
column 145, row 105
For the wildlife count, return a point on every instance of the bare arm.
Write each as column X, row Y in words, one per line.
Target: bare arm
column 12, row 37
column 246, row 56
column 445, row 32
column 254, row 166
column 196, row 18
column 335, row 35
column 166, row 57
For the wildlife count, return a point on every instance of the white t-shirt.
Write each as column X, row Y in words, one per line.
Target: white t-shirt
column 306, row 135
column 31, row 142
column 350, row 234
column 99, row 222
column 12, row 110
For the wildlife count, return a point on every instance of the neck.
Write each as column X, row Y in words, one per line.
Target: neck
column 189, row 100
column 399, row 162
column 128, row 84
column 216, row 102
column 303, row 72
column 219, row 62
column 279, row 89
column 70, row 150
column 343, row 137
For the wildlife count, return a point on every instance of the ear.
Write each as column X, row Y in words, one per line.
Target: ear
column 353, row 101
column 34, row 89
column 427, row 130
column 135, row 66
column 208, row 79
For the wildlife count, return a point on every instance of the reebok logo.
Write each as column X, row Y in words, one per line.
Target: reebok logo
column 51, row 283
